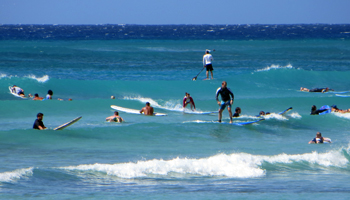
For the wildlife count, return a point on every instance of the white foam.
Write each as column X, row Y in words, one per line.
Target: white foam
column 15, row 175
column 268, row 68
column 295, row 115
column 342, row 115
column 236, row 165
column 39, row 79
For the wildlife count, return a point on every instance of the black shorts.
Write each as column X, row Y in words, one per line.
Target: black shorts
column 209, row 67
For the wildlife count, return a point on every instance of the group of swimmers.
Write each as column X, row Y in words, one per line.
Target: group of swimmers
column 20, row 92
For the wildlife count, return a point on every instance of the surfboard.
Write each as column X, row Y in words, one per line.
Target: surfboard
column 285, row 111
column 329, row 110
column 65, row 125
column 15, row 94
column 133, row 111
column 200, row 112
column 234, row 123
column 340, row 95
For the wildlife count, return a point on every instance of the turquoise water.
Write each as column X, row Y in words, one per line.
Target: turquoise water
column 180, row 156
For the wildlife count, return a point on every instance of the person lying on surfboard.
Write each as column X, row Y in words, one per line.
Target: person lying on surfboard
column 18, row 90
column 147, row 110
column 336, row 109
column 315, row 111
column 319, row 139
column 115, row 118
column 188, row 100
column 38, row 123
column 323, row 90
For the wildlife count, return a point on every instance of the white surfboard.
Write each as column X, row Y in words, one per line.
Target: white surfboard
column 199, row 112
column 133, row 111
column 15, row 94
column 65, row 125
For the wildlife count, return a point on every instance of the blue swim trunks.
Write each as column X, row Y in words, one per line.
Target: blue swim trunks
column 224, row 104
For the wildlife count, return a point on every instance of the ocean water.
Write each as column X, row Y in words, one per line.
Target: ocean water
column 179, row 156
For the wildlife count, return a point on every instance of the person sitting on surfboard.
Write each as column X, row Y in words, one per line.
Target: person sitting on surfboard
column 36, row 97
column 147, row 110
column 115, row 118
column 323, row 90
column 226, row 100
column 39, row 124
column 207, row 63
column 319, row 139
column 188, row 100
column 237, row 112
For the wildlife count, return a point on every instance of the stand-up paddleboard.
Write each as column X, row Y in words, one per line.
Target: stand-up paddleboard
column 285, row 111
column 65, row 125
column 133, row 111
column 15, row 94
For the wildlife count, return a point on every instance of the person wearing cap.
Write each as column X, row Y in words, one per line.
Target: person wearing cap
column 226, row 100
column 147, row 110
column 319, row 139
column 336, row 109
column 188, row 100
column 207, row 62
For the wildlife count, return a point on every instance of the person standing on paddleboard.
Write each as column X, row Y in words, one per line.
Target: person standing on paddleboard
column 226, row 100
column 207, row 63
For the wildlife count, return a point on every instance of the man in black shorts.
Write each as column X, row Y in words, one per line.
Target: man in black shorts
column 207, row 60
column 39, row 124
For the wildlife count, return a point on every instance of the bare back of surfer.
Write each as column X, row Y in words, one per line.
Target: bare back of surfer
column 147, row 110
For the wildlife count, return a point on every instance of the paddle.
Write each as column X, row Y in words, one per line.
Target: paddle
column 195, row 78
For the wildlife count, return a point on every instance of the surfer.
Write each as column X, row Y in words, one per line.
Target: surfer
column 39, row 124
column 315, row 111
column 49, row 94
column 207, row 63
column 226, row 100
column 319, row 139
column 36, row 97
column 237, row 112
column 18, row 90
column 323, row 90
column 188, row 100
column 147, row 110
column 115, row 118
column 336, row 109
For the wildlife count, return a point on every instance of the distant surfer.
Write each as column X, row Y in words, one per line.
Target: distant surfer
column 39, row 124
column 323, row 90
column 36, row 97
column 226, row 100
column 207, row 63
column 315, row 111
column 188, row 100
column 147, row 110
column 263, row 113
column 49, row 94
column 237, row 112
column 115, row 118
column 319, row 139
column 18, row 90
column 336, row 109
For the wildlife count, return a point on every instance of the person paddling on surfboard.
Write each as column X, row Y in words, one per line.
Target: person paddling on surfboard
column 319, row 139
column 323, row 90
column 115, row 118
column 17, row 90
column 226, row 100
column 147, row 110
column 39, row 124
column 188, row 100
column 207, row 63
